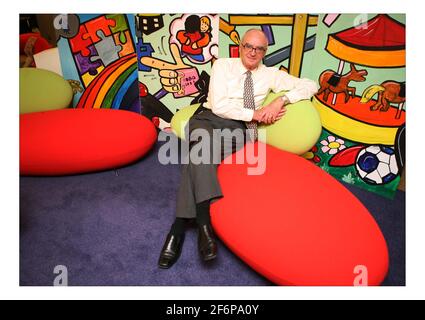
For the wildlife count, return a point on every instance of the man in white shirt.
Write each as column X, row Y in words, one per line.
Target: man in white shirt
column 238, row 87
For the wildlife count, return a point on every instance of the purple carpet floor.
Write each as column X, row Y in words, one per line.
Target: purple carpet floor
column 108, row 228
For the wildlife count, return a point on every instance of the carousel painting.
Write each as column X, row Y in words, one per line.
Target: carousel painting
column 362, row 102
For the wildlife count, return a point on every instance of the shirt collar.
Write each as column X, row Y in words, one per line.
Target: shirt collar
column 243, row 70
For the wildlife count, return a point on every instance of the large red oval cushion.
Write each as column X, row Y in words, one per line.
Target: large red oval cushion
column 70, row 141
column 297, row 225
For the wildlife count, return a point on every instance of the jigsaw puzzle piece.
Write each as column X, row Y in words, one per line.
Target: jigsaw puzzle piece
column 84, row 64
column 99, row 24
column 106, row 49
column 79, row 44
column 121, row 26
column 127, row 45
column 87, row 78
column 120, row 22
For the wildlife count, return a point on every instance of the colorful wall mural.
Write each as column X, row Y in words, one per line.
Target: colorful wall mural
column 98, row 53
column 157, row 64
column 291, row 38
column 360, row 66
column 175, row 57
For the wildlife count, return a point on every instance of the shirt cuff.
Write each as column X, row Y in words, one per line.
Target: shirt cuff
column 247, row 114
column 292, row 97
column 285, row 100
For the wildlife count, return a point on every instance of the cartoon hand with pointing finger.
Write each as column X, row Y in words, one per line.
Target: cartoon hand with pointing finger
column 178, row 77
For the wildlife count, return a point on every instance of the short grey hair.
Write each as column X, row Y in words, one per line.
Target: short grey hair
column 258, row 30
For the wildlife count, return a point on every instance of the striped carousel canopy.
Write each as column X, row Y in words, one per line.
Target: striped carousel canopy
column 379, row 42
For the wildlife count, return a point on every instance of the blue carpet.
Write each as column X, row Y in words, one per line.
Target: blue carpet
column 108, row 228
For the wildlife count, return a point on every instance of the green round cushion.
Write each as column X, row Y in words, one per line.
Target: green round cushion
column 181, row 118
column 297, row 131
column 42, row 90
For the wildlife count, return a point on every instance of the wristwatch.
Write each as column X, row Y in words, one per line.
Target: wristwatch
column 285, row 100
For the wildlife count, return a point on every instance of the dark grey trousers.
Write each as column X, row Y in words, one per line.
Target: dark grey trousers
column 199, row 181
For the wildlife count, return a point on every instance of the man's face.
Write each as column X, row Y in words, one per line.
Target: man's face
column 252, row 49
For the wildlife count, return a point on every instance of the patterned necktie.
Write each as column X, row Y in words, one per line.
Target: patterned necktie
column 248, row 101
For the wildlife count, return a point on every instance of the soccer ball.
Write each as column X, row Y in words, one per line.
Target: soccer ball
column 377, row 164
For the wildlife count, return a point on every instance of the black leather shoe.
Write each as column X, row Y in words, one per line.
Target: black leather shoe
column 171, row 250
column 206, row 242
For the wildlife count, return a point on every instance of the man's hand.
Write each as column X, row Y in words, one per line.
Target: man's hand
column 273, row 111
column 265, row 116
column 258, row 115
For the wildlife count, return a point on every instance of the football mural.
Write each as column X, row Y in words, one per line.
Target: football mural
column 360, row 67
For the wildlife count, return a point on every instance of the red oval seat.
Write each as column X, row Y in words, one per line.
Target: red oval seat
column 71, row 141
column 297, row 225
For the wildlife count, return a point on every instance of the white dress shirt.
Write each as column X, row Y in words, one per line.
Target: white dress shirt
column 225, row 95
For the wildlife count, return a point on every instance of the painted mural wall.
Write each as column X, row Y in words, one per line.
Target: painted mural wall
column 291, row 38
column 157, row 64
column 98, row 53
column 176, row 52
column 360, row 66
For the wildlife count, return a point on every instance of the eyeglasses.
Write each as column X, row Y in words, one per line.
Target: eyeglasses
column 251, row 48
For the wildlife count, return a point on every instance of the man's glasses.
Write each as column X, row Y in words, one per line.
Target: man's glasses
column 251, row 48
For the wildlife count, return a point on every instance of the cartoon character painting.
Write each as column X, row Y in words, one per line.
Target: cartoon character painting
column 195, row 37
column 330, row 81
column 388, row 92
column 368, row 122
column 100, row 57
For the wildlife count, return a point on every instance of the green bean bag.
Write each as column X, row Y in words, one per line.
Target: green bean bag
column 181, row 118
column 42, row 90
column 296, row 132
